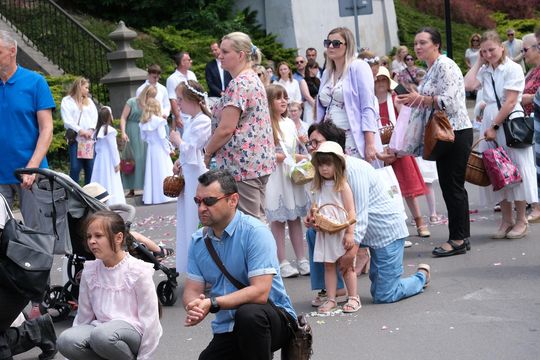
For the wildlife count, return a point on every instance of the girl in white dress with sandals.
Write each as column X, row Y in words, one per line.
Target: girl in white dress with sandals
column 330, row 186
column 190, row 97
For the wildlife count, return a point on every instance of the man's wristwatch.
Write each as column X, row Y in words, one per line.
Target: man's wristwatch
column 495, row 126
column 214, row 306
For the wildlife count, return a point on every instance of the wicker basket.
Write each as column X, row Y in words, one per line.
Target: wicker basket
column 173, row 185
column 476, row 173
column 386, row 133
column 302, row 173
column 329, row 225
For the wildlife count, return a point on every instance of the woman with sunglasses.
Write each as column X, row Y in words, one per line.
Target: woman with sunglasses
column 346, row 96
column 473, row 51
column 408, row 76
column 443, row 88
column 243, row 141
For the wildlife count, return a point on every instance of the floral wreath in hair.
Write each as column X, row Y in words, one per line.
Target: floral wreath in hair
column 374, row 60
column 204, row 95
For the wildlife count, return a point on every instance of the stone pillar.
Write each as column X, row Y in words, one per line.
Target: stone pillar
column 125, row 77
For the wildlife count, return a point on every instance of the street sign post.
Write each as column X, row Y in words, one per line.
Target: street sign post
column 355, row 8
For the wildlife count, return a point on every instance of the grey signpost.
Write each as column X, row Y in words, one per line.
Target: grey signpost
column 355, row 8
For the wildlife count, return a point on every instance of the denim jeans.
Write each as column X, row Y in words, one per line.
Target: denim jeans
column 317, row 269
column 385, row 270
column 76, row 165
column 115, row 339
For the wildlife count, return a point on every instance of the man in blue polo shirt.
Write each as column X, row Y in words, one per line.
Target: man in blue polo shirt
column 26, row 126
column 246, row 325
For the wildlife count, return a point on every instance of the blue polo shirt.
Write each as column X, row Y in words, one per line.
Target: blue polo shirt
column 21, row 97
column 247, row 249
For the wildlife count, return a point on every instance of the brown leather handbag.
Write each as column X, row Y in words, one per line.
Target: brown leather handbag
column 438, row 134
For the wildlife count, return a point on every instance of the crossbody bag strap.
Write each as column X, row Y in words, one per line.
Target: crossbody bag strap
column 412, row 78
column 495, row 91
column 219, row 263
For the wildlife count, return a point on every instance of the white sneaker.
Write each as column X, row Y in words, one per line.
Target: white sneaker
column 407, row 244
column 303, row 267
column 287, row 270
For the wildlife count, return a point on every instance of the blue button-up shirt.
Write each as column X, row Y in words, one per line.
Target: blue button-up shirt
column 247, row 249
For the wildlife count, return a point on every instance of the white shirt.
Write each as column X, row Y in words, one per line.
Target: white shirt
column 162, row 96
column 221, row 74
column 76, row 119
column 293, row 89
column 175, row 79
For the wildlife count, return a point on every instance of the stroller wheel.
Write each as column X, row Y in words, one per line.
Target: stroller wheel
column 56, row 303
column 166, row 293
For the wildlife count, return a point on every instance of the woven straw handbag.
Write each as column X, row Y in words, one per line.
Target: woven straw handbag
column 173, row 185
column 386, row 133
column 331, row 218
column 476, row 172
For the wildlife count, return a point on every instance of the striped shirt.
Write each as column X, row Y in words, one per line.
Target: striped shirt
column 378, row 222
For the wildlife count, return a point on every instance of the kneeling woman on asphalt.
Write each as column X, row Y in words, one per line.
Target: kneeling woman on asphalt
column 118, row 316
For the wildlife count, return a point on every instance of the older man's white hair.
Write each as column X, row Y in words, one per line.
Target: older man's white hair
column 6, row 39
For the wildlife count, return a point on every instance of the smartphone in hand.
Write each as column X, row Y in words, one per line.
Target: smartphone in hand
column 401, row 90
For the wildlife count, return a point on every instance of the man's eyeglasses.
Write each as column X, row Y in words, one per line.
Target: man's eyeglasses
column 524, row 50
column 300, row 61
column 209, row 200
column 314, row 143
column 511, row 34
column 336, row 44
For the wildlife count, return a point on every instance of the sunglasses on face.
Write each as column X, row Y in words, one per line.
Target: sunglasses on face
column 336, row 44
column 209, row 200
column 509, row 34
column 475, row 40
column 409, row 59
column 524, row 50
column 300, row 62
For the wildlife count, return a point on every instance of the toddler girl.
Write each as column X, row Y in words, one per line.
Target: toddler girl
column 158, row 159
column 330, row 187
column 107, row 161
column 190, row 97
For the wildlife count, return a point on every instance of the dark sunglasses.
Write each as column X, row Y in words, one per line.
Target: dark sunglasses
column 210, row 200
column 524, row 50
column 300, row 62
column 475, row 40
column 409, row 59
column 336, row 44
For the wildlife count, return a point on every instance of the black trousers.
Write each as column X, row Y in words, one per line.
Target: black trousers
column 451, row 168
column 258, row 331
column 11, row 304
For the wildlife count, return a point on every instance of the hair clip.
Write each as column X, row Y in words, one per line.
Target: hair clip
column 253, row 49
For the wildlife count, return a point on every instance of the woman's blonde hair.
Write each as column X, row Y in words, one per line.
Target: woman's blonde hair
column 193, row 91
column 474, row 36
column 274, row 92
column 399, row 50
column 152, row 107
column 290, row 71
column 340, row 176
column 242, row 42
column 76, row 93
column 150, row 91
column 492, row 35
column 348, row 36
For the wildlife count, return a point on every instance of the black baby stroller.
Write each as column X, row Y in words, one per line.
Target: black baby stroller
column 63, row 207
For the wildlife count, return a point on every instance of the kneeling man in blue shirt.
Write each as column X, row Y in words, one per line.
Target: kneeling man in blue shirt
column 247, row 325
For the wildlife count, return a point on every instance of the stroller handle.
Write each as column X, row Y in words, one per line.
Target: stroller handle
column 31, row 171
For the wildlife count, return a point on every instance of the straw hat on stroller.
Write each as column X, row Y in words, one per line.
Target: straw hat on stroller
column 96, row 191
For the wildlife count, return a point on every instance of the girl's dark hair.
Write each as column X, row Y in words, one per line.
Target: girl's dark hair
column 104, row 119
column 313, row 82
column 340, row 176
column 112, row 224
column 434, row 34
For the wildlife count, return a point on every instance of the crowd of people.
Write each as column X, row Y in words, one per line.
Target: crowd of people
column 238, row 145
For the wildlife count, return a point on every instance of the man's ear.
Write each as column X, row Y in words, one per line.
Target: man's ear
column 234, row 199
